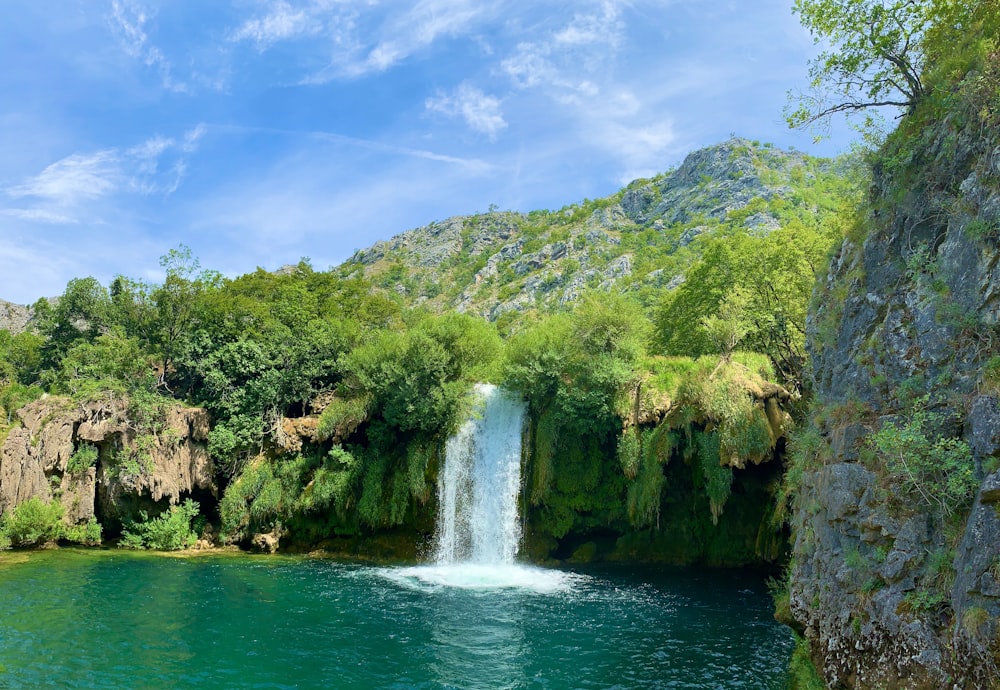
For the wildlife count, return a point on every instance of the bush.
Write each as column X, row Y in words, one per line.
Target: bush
column 936, row 470
column 33, row 522
column 169, row 531
column 88, row 534
column 718, row 478
column 83, row 459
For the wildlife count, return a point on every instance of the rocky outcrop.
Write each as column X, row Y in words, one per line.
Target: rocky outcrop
column 889, row 592
column 14, row 317
column 711, row 183
column 129, row 470
column 432, row 245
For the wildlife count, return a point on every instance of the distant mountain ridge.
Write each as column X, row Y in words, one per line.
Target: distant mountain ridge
column 639, row 239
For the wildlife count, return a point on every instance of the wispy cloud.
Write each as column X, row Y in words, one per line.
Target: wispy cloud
column 428, row 21
column 468, row 165
column 153, row 166
column 389, row 37
column 280, row 22
column 480, row 111
column 474, row 166
column 602, row 26
column 35, row 215
column 128, row 21
column 75, row 177
column 563, row 58
column 323, row 203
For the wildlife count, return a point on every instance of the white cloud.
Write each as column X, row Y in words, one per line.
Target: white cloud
column 603, row 26
column 192, row 137
column 128, row 21
column 32, row 267
column 282, row 22
column 35, row 215
column 480, row 111
column 390, row 36
column 428, row 21
column 62, row 190
column 565, row 59
column 75, row 177
column 639, row 145
column 469, row 166
column 528, row 66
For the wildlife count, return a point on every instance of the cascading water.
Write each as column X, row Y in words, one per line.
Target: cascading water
column 479, row 530
column 479, row 484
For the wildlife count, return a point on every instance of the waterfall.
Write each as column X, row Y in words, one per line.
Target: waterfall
column 478, row 528
column 479, row 484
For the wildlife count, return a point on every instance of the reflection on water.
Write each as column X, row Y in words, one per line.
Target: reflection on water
column 477, row 646
column 99, row 620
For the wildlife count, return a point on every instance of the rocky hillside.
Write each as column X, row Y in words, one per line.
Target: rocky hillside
column 640, row 239
column 14, row 317
column 896, row 573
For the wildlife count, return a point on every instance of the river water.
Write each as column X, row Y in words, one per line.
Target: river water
column 108, row 619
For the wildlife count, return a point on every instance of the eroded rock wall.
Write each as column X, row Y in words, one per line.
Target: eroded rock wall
column 35, row 458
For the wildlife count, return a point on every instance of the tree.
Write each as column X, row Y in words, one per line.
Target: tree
column 730, row 324
column 876, row 58
column 174, row 303
column 773, row 277
column 80, row 315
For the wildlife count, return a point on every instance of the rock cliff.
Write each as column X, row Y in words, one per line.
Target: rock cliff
column 895, row 583
column 126, row 471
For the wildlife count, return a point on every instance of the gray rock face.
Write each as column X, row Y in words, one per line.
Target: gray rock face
column 537, row 260
column 977, row 568
column 854, row 567
column 14, row 317
column 905, row 313
column 431, row 245
column 713, row 182
column 34, row 459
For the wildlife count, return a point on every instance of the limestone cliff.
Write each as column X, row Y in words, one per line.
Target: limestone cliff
column 890, row 590
column 127, row 474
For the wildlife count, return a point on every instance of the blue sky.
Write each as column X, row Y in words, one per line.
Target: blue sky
column 257, row 132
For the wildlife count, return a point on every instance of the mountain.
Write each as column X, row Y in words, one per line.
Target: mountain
column 504, row 265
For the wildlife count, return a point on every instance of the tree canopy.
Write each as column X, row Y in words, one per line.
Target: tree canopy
column 876, row 57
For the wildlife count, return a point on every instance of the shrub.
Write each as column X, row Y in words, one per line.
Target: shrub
column 83, row 459
column 802, row 674
column 88, row 534
column 342, row 416
column 974, row 619
column 718, row 478
column 628, row 452
column 33, row 522
column 169, row 531
column 936, row 470
column 644, row 494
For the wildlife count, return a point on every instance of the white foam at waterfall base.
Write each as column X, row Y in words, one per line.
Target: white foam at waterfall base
column 483, row 577
column 479, row 530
